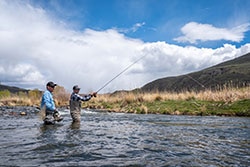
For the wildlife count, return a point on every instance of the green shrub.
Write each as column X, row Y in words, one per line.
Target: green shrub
column 4, row 94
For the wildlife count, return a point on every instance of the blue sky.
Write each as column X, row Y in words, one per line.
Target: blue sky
column 88, row 42
column 152, row 20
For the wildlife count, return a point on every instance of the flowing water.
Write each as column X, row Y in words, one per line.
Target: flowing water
column 116, row 139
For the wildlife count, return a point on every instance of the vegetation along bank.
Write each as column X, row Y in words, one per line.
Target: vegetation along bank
column 224, row 102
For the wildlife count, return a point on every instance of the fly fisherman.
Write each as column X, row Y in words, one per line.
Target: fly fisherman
column 47, row 103
column 75, row 103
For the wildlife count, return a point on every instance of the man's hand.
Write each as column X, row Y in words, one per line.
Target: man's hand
column 57, row 116
column 56, row 111
column 94, row 94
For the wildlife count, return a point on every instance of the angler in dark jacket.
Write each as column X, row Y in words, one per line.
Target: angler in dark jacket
column 75, row 103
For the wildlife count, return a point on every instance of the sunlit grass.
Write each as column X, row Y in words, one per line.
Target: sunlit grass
column 194, row 103
column 225, row 95
column 17, row 101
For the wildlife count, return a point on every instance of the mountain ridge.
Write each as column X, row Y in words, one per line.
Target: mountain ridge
column 234, row 73
column 12, row 89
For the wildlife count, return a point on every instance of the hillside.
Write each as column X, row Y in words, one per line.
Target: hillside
column 12, row 89
column 235, row 72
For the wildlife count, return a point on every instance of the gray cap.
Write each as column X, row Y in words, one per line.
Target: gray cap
column 76, row 87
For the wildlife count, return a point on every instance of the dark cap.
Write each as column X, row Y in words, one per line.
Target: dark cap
column 76, row 87
column 51, row 84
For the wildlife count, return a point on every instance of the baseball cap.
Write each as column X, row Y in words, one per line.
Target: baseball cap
column 76, row 87
column 51, row 84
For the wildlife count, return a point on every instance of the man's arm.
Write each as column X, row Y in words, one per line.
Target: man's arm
column 85, row 98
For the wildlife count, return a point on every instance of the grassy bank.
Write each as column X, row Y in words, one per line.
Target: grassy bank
column 227, row 102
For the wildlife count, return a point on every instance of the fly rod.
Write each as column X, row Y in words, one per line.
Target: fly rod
column 195, row 81
column 131, row 66
column 120, row 73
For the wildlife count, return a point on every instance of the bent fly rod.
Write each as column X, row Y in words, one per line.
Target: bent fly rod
column 120, row 73
column 131, row 66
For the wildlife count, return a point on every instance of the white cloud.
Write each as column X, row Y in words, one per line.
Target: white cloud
column 36, row 48
column 137, row 26
column 134, row 28
column 194, row 32
column 166, row 59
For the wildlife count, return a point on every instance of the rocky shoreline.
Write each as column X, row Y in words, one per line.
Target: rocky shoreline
column 18, row 110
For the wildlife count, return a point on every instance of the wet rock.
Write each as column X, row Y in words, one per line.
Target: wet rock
column 176, row 112
column 23, row 113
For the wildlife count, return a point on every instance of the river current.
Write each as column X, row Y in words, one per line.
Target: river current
column 119, row 139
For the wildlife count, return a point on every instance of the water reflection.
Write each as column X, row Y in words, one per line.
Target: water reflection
column 43, row 128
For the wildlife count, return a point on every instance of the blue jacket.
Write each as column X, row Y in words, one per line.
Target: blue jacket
column 47, row 100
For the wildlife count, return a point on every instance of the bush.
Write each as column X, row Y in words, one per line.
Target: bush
column 4, row 94
column 34, row 94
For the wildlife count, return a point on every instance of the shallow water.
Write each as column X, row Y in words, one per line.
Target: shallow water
column 115, row 139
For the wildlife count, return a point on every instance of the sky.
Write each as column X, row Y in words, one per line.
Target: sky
column 89, row 42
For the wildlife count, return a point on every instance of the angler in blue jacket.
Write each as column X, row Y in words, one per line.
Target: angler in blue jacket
column 48, row 104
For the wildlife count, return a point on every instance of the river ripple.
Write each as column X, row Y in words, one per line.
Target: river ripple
column 115, row 139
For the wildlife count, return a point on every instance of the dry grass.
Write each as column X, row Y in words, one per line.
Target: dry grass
column 16, row 101
column 125, row 98
column 225, row 95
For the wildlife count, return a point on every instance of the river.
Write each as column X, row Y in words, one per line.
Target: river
column 119, row 139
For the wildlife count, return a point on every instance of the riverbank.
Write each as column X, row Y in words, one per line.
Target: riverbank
column 226, row 102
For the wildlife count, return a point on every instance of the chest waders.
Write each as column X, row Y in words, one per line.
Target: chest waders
column 75, row 110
